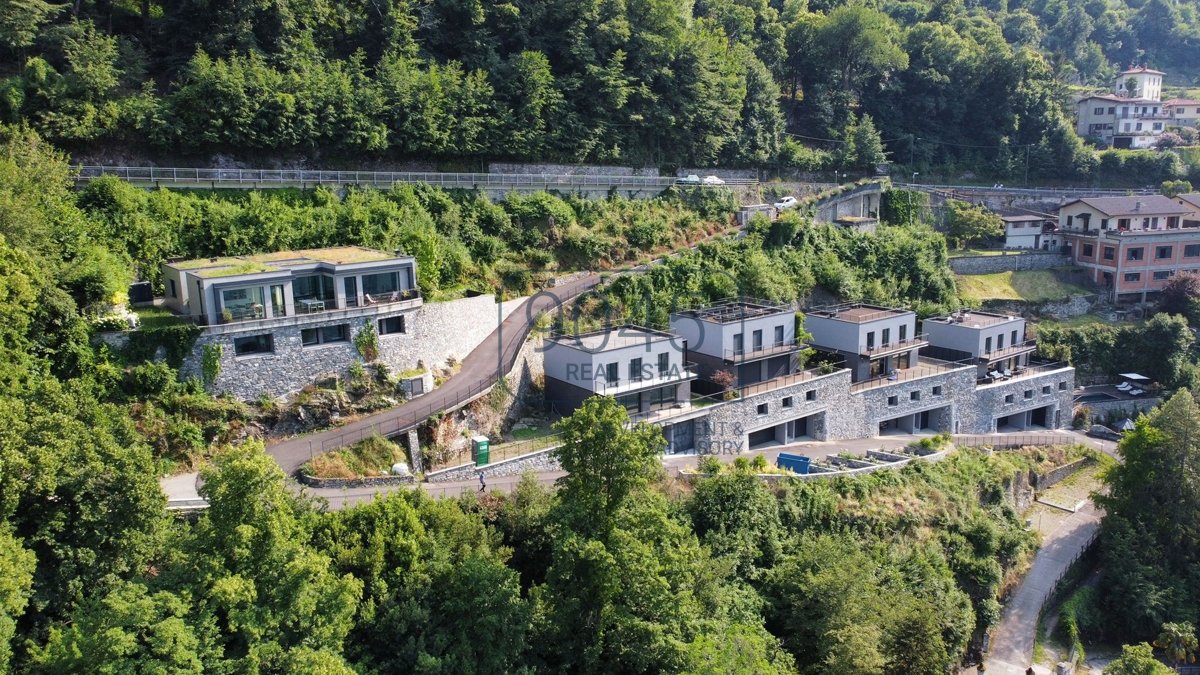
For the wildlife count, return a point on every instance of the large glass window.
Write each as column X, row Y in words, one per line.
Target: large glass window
column 757, row 337
column 324, row 335
column 662, row 397
column 314, row 292
column 611, row 373
column 376, row 286
column 238, row 304
column 255, row 344
column 351, row 285
column 778, row 336
column 635, row 369
column 278, row 307
column 664, row 364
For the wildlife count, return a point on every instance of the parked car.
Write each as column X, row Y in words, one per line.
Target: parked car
column 786, row 203
column 690, row 179
column 713, row 180
column 1101, row 431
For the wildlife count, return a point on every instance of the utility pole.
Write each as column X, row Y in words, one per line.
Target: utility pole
column 1027, row 146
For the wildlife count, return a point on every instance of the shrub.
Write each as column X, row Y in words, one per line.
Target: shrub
column 366, row 341
column 709, row 465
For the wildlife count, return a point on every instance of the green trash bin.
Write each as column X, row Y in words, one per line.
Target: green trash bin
column 481, row 448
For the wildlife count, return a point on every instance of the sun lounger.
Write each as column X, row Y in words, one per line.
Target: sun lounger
column 1136, row 392
column 1007, row 373
column 1124, row 386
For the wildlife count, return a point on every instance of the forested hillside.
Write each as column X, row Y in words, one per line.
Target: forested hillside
column 657, row 82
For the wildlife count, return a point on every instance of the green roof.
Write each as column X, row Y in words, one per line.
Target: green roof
column 228, row 266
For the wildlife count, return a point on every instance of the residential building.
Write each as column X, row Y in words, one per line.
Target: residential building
column 645, row 369
column 1184, row 112
column 754, row 340
column 873, row 340
column 1131, row 246
column 1030, row 231
column 1190, row 201
column 996, row 343
column 1133, row 116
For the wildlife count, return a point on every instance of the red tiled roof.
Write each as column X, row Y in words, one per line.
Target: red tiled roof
column 1180, row 101
column 1142, row 69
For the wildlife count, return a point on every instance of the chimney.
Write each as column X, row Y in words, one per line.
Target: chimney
column 1138, row 206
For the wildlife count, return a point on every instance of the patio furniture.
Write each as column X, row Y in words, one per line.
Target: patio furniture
column 1125, row 386
column 1007, row 373
column 311, row 305
column 1136, row 392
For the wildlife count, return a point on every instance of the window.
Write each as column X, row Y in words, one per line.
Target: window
column 762, row 409
column 937, row 390
column 662, row 397
column 1098, row 111
column 871, row 339
column 903, row 332
column 324, row 335
column 171, row 288
column 757, row 340
column 242, row 303
column 1087, row 250
column 631, row 402
column 738, row 345
column 635, row 369
column 1000, row 342
column 611, row 374
column 1046, row 390
column 1134, row 254
column 1162, row 252
column 810, row 395
column 380, row 284
column 1008, row 398
column 1014, row 339
column 351, row 287
column 1138, row 126
column 392, row 324
column 1133, row 276
column 1109, row 252
column 1112, row 110
column 787, row 402
column 1028, row 394
column 1162, row 275
column 1158, row 126
column 1062, row 386
column 886, row 338
column 914, row 396
column 255, row 344
column 278, row 307
column 314, row 287
column 987, row 345
column 664, row 364
column 778, row 336
column 893, row 400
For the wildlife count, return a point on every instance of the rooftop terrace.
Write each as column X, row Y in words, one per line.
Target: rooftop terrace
column 614, row 337
column 857, row 312
column 278, row 261
column 972, row 319
column 737, row 309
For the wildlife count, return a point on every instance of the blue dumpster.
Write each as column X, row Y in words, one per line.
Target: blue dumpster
column 796, row 463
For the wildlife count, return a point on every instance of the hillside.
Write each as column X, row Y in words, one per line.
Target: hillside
column 656, row 82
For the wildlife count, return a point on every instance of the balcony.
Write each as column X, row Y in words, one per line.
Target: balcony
column 626, row 386
column 927, row 367
column 886, row 348
column 253, row 316
column 1009, row 352
column 1031, row 370
column 746, row 355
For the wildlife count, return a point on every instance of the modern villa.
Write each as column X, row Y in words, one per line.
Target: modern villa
column 279, row 320
column 966, row 373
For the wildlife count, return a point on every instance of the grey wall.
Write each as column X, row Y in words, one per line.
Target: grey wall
column 1009, row 261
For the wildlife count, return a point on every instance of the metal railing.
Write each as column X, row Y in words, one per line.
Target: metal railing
column 1011, row 440
column 656, row 379
column 743, row 354
column 834, row 312
column 259, row 177
column 926, row 367
column 1029, row 371
column 1012, row 350
column 785, row 380
column 1041, row 191
column 918, row 340
column 411, row 296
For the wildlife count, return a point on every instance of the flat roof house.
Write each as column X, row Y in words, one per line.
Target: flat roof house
column 282, row 318
column 1130, row 245
column 1029, row 231
column 753, row 339
column 996, row 342
column 643, row 368
column 874, row 340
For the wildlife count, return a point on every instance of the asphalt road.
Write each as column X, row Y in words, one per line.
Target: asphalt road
column 480, row 369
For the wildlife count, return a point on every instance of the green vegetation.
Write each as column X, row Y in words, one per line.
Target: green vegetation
column 1027, row 285
column 1160, row 348
column 654, row 82
column 372, row 456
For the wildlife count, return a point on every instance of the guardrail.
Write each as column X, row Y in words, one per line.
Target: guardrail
column 259, row 177
column 1041, row 191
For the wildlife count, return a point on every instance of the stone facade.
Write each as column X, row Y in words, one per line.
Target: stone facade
column 1052, row 391
column 1008, row 262
column 435, row 332
column 1045, row 480
column 1102, row 410
column 535, row 461
column 868, row 408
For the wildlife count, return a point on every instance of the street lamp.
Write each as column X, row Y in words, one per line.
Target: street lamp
column 910, row 194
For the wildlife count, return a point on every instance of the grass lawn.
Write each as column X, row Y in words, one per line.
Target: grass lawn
column 370, row 457
column 156, row 317
column 1029, row 285
column 528, row 433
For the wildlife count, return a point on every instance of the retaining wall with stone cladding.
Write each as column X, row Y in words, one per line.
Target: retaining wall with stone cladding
column 1008, row 262
column 535, row 461
column 992, row 403
column 435, row 332
column 1045, row 480
column 344, row 483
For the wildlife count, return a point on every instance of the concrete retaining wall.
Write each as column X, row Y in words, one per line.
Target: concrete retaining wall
column 1007, row 262
column 342, row 483
column 1045, row 480
column 535, row 461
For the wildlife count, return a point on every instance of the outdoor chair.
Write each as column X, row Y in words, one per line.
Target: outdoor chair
column 1136, row 392
column 1125, row 386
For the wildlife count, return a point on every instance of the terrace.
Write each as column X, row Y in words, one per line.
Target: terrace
column 926, row 367
column 1023, row 372
column 856, row 312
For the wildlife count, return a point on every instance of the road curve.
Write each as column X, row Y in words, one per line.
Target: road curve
column 491, row 359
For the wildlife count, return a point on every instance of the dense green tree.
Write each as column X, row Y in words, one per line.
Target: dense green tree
column 966, row 223
column 1137, row 660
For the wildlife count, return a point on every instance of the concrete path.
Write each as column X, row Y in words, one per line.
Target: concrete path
column 480, row 369
column 1012, row 642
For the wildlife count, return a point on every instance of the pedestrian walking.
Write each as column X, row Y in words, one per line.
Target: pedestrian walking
column 482, row 485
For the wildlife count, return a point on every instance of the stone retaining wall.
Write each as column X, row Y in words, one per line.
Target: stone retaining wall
column 1128, row 408
column 534, row 461
column 1007, row 262
column 365, row 481
column 571, row 169
column 435, row 332
column 1041, row 481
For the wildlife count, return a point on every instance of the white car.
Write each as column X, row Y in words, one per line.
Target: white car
column 786, row 203
column 713, row 180
column 692, row 179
